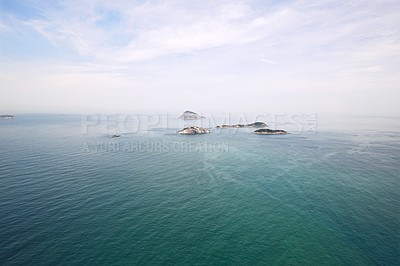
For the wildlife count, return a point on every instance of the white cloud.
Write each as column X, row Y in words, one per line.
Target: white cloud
column 268, row 61
column 3, row 27
column 226, row 24
column 248, row 49
column 157, row 29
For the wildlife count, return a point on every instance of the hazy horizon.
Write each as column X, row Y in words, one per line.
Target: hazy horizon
column 211, row 56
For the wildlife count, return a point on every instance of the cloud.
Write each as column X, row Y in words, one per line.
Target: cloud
column 225, row 24
column 249, row 49
column 117, row 32
column 268, row 61
column 3, row 27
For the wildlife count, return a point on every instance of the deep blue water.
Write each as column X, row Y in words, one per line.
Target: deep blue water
column 231, row 197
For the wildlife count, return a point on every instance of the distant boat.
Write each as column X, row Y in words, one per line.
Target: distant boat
column 116, row 136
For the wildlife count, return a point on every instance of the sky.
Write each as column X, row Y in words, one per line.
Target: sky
column 88, row 56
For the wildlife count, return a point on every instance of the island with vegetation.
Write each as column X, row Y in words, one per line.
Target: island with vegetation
column 189, row 115
column 255, row 124
column 266, row 131
column 193, row 131
column 7, row 116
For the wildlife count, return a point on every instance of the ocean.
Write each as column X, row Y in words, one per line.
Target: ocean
column 328, row 194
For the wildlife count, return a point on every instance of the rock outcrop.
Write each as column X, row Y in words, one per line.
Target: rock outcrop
column 193, row 131
column 266, row 131
column 7, row 116
column 255, row 124
column 189, row 115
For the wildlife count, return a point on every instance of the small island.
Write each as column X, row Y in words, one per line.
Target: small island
column 266, row 131
column 189, row 115
column 255, row 124
column 7, row 116
column 116, row 136
column 193, row 131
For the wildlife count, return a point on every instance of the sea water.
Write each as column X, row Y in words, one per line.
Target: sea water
column 72, row 195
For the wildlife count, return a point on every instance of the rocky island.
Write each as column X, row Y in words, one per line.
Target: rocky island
column 7, row 116
column 266, row 131
column 189, row 115
column 255, row 124
column 193, row 131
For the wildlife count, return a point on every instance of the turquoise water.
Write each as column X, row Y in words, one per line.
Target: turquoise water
column 231, row 197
